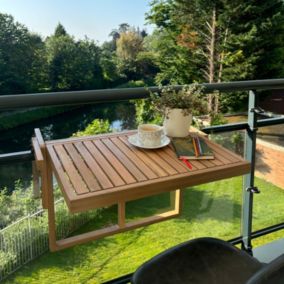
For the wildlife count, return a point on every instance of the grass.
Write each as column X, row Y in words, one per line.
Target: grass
column 213, row 209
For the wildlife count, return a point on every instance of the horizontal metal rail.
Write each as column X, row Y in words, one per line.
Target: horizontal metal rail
column 225, row 128
column 22, row 156
column 108, row 95
column 242, row 125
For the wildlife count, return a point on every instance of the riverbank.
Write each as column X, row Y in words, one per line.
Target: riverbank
column 16, row 118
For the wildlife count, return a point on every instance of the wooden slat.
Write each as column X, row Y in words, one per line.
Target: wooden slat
column 60, row 173
column 161, row 162
column 216, row 161
column 39, row 138
column 107, row 168
column 43, row 166
column 89, row 138
column 39, row 159
column 93, row 165
column 141, row 155
column 175, row 163
column 125, row 160
column 77, row 181
column 127, row 151
column 117, row 165
column 82, row 168
column 207, row 163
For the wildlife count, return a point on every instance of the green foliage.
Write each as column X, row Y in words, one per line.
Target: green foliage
column 73, row 65
column 247, row 42
column 60, row 31
column 147, row 113
column 189, row 98
column 98, row 126
column 16, row 205
column 28, row 238
column 129, row 44
column 218, row 119
column 133, row 84
column 22, row 67
column 109, row 65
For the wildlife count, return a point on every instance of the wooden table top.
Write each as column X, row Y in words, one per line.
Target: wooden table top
column 106, row 169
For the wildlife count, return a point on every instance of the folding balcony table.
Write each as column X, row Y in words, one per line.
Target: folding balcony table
column 103, row 170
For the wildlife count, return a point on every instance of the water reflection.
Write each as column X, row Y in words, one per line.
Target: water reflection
column 120, row 115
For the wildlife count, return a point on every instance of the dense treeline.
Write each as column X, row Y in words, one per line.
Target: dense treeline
column 218, row 40
column 59, row 63
column 194, row 41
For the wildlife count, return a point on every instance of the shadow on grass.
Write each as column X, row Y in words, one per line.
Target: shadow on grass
column 196, row 204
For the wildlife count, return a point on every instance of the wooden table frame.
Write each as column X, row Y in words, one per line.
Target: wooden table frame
column 47, row 162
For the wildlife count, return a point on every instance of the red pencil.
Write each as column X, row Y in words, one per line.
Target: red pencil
column 188, row 164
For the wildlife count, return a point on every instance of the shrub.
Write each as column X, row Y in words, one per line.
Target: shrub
column 97, row 126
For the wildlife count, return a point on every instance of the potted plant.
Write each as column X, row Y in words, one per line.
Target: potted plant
column 177, row 106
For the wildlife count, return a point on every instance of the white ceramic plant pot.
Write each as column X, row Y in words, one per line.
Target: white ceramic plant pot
column 176, row 124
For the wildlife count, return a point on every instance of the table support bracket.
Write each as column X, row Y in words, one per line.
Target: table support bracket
column 122, row 226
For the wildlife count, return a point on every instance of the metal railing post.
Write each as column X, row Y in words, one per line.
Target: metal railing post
column 248, row 183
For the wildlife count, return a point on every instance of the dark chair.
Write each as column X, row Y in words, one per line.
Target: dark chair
column 199, row 261
column 273, row 273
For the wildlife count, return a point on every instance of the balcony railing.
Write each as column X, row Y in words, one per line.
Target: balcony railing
column 110, row 95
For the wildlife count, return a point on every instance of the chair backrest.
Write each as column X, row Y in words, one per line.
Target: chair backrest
column 273, row 273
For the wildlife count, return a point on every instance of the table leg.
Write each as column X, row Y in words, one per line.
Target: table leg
column 176, row 200
column 121, row 214
column 50, row 208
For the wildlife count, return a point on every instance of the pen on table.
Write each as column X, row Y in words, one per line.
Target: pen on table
column 188, row 164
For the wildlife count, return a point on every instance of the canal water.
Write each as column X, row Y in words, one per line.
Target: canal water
column 121, row 116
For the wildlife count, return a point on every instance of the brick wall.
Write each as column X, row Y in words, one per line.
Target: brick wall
column 270, row 162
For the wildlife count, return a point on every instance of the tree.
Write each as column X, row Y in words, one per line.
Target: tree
column 225, row 40
column 22, row 58
column 129, row 44
column 60, row 31
column 115, row 34
column 73, row 65
column 108, row 62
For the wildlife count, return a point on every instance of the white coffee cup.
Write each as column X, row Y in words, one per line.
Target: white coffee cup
column 150, row 135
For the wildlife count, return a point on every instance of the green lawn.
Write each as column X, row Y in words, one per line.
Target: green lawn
column 209, row 210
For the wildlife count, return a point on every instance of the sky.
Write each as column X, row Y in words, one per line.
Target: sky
column 92, row 18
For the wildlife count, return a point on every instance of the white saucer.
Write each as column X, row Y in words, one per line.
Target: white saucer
column 133, row 139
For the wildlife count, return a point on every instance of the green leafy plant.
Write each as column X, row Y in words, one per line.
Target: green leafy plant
column 97, row 126
column 188, row 99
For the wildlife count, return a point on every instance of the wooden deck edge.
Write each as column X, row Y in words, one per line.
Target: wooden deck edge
column 84, row 204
